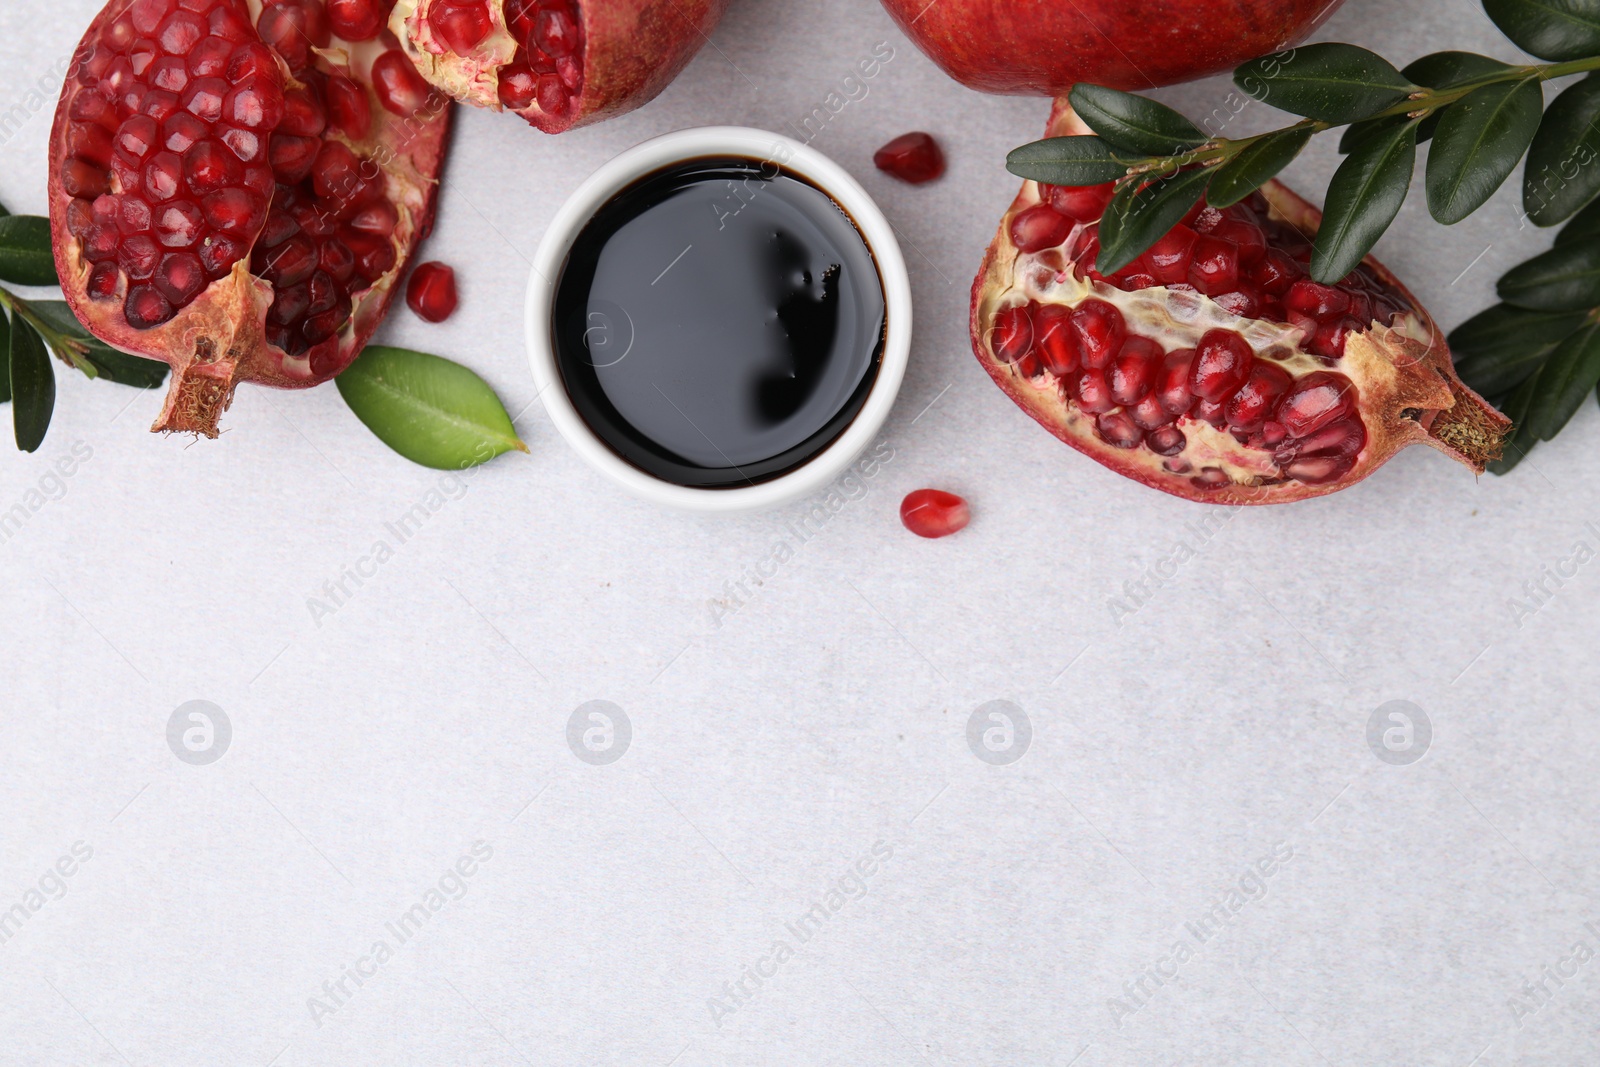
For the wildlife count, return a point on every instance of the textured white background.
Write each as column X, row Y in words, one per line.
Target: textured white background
column 824, row 715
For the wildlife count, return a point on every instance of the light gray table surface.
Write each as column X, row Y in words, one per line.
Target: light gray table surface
column 1060, row 909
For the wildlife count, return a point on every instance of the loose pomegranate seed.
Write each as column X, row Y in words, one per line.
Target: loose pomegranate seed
column 911, row 157
column 431, row 292
column 1221, row 365
column 934, row 513
column 1098, row 332
column 1039, row 227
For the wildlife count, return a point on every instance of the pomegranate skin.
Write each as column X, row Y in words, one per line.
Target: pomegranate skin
column 628, row 52
column 1390, row 386
column 221, row 334
column 1042, row 48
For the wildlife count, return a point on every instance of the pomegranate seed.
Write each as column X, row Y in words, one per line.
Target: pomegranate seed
column 84, row 179
column 338, row 261
column 179, row 225
column 170, row 73
column 138, row 257
column 570, row 73
column 302, row 114
column 1090, row 390
column 375, row 256
column 134, row 215
column 552, row 95
column 182, row 132
column 355, row 20
column 162, row 176
column 520, row 17
column 349, row 109
column 254, row 60
column 1166, row 441
column 291, row 262
column 230, row 25
column 1317, row 300
column 180, row 278
column 431, row 292
column 381, row 219
column 934, row 513
column 1099, row 330
column 1058, row 349
column 100, row 243
column 400, row 88
column 1246, row 236
column 911, row 157
column 1315, row 400
column 209, row 59
column 518, row 86
column 1039, row 227
column 1148, row 414
column 1241, row 302
column 1343, row 438
column 1168, row 259
column 90, row 142
column 1248, row 409
column 1330, row 338
column 1215, row 266
column 1210, row 411
column 1319, row 470
column 320, row 327
column 181, row 32
column 209, row 166
column 1117, row 429
column 462, row 26
column 1221, row 365
column 1011, row 337
column 234, row 211
column 1133, row 370
column 1275, row 273
column 103, row 281
column 555, row 32
column 290, row 305
column 146, row 308
column 243, row 143
column 1203, row 218
column 1082, row 203
column 293, row 157
column 218, row 254
column 292, row 28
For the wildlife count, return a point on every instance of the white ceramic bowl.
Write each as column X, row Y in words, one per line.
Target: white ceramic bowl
column 651, row 156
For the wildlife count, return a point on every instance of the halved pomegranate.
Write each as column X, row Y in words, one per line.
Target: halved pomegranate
column 234, row 190
column 1213, row 367
column 557, row 63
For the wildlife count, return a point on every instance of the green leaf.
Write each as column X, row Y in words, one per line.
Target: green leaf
column 1572, row 371
column 1549, row 29
column 1362, row 200
column 5, row 356
column 1446, row 70
column 1084, row 160
column 1563, row 172
column 1136, row 220
column 3, row 211
column 1498, row 348
column 430, row 410
column 1517, row 443
column 33, row 386
column 1333, row 82
column 26, row 257
column 1585, row 225
column 1257, row 162
column 1566, row 278
column 1358, row 132
column 1134, row 123
column 109, row 363
column 1479, row 141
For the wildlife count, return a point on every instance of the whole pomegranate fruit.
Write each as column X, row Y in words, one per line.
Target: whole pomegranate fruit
column 557, row 63
column 1044, row 46
column 234, row 190
column 1212, row 367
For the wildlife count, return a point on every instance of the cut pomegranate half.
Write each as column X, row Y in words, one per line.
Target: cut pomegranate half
column 557, row 63
column 1213, row 367
column 232, row 192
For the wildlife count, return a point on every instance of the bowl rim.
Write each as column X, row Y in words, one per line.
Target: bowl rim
column 652, row 155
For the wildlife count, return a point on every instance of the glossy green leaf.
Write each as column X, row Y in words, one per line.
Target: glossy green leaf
column 1566, row 278
column 430, row 410
column 33, row 386
column 1517, row 443
column 1549, row 29
column 1499, row 347
column 1563, row 171
column 1478, row 143
column 3, row 211
column 1133, row 123
column 1446, row 70
column 1572, row 370
column 1136, row 220
column 1585, row 226
column 106, row 361
column 1084, row 160
column 1358, row 132
column 5, row 356
column 1254, row 165
column 26, row 257
column 1333, row 82
column 1363, row 198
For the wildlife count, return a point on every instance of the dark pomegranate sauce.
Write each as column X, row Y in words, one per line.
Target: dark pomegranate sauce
column 719, row 322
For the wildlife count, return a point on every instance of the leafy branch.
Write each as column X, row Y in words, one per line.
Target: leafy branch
column 1535, row 355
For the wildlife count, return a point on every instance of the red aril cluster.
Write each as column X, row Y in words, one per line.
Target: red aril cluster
column 557, row 63
column 193, row 138
column 911, row 157
column 1213, row 366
